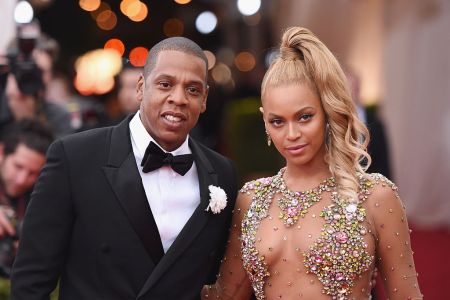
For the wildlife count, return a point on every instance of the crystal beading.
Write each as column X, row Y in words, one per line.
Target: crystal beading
column 338, row 257
column 296, row 204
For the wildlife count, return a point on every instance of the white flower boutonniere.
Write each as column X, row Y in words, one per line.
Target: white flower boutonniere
column 217, row 200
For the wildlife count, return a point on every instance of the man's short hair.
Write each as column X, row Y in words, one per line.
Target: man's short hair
column 178, row 43
column 31, row 133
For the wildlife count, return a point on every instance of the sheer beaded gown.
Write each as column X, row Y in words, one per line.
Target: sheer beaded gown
column 314, row 245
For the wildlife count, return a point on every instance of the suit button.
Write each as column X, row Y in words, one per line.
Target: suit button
column 105, row 248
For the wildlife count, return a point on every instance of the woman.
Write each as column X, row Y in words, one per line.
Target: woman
column 320, row 227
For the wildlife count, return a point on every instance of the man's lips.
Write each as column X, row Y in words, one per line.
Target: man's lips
column 173, row 117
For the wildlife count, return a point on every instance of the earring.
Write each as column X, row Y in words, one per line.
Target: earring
column 269, row 140
column 327, row 137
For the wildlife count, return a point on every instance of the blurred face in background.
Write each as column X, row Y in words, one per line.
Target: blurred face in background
column 19, row 170
column 22, row 106
column 127, row 94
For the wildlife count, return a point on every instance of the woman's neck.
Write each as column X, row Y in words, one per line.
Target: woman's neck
column 303, row 177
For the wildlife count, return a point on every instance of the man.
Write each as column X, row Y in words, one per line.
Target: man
column 112, row 225
column 22, row 155
column 22, row 104
column 126, row 94
column 26, row 87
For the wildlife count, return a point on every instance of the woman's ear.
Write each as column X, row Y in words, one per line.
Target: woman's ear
column 261, row 109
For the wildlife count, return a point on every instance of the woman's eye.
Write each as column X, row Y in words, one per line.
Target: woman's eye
column 276, row 122
column 305, row 117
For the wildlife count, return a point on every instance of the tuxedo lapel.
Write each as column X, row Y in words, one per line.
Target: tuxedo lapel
column 124, row 178
column 206, row 176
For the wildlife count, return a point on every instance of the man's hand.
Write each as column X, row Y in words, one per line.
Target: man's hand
column 6, row 227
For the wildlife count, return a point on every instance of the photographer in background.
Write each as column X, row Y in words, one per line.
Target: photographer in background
column 24, row 91
column 22, row 155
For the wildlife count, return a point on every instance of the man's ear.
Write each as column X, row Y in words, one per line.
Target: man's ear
column 140, row 88
column 204, row 99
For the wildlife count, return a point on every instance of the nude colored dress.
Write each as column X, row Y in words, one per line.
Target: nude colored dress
column 328, row 249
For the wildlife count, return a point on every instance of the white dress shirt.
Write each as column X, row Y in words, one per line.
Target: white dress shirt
column 172, row 197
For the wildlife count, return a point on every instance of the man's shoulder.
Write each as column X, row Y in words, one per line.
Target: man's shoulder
column 87, row 136
column 98, row 135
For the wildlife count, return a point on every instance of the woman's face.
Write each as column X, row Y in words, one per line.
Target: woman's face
column 295, row 120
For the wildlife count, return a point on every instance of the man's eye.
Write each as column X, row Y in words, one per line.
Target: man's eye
column 164, row 84
column 193, row 90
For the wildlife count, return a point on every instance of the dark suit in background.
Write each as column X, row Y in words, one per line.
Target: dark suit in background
column 378, row 147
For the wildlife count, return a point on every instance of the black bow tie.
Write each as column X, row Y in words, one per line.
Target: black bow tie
column 155, row 158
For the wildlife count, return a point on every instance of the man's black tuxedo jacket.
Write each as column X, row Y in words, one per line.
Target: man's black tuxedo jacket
column 89, row 222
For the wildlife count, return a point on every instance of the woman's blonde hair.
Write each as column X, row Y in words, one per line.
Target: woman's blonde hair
column 304, row 59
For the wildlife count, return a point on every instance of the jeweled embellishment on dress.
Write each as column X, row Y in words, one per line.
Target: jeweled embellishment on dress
column 339, row 255
column 254, row 264
column 294, row 205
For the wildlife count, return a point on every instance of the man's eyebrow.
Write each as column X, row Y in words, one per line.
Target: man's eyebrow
column 171, row 77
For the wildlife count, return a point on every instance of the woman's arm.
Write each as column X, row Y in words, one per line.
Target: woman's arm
column 393, row 248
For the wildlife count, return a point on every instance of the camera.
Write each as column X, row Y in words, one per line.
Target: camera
column 20, row 61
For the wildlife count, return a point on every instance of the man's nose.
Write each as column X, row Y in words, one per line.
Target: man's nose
column 178, row 96
column 22, row 178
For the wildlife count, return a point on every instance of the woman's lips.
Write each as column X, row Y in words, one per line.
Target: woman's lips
column 297, row 149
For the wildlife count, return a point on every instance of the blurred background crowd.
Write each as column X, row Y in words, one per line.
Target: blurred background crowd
column 68, row 66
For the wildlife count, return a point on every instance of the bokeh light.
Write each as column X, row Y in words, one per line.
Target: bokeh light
column 248, row 7
column 138, row 56
column 106, row 20
column 270, row 56
column 226, row 55
column 211, row 59
column 221, row 74
column 89, row 5
column 140, row 15
column 173, row 27
column 135, row 10
column 115, row 44
column 125, row 5
column 95, row 71
column 245, row 61
column 206, row 22
column 182, row 1
column 103, row 6
column 23, row 12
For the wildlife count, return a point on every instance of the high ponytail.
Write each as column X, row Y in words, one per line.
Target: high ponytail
column 304, row 59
